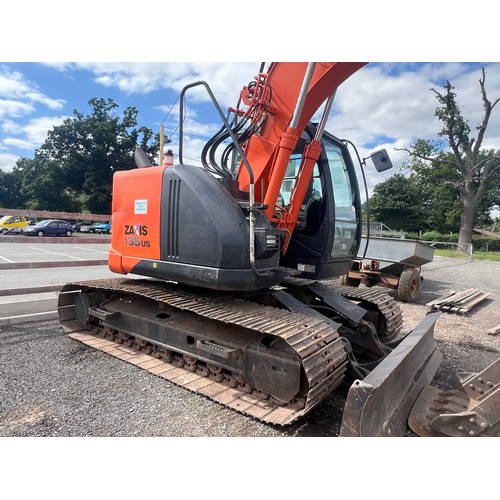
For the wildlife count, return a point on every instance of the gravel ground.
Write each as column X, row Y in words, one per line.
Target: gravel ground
column 51, row 385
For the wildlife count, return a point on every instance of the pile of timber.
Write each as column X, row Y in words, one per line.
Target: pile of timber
column 459, row 302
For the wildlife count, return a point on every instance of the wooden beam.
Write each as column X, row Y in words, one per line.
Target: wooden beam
column 45, row 214
column 494, row 331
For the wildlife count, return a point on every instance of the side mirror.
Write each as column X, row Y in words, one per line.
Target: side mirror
column 381, row 160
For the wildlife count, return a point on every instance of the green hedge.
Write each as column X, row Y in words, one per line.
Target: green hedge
column 479, row 243
column 485, row 244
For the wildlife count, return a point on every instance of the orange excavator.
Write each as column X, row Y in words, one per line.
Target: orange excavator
column 235, row 293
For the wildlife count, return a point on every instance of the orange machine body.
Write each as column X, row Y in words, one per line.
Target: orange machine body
column 135, row 218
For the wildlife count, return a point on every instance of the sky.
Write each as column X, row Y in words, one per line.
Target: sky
column 385, row 104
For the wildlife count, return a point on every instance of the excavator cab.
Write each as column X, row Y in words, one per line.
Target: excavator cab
column 328, row 235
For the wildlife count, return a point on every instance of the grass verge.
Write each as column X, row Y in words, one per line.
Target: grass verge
column 495, row 256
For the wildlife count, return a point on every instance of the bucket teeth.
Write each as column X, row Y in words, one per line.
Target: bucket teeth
column 471, row 408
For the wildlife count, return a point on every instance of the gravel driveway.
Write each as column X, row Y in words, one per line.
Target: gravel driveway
column 51, row 385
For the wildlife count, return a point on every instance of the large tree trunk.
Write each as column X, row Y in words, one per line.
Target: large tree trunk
column 466, row 224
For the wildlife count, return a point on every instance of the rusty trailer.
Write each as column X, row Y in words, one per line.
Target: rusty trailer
column 391, row 263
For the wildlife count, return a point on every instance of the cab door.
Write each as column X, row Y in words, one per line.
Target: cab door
column 326, row 240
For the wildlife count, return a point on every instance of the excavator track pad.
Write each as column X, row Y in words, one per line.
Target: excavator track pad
column 471, row 408
column 269, row 363
column 265, row 362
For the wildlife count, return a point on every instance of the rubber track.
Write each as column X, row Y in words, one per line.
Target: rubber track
column 316, row 343
column 385, row 304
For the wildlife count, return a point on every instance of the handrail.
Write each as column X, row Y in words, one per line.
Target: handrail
column 251, row 194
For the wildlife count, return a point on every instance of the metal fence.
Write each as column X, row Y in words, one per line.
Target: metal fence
column 380, row 230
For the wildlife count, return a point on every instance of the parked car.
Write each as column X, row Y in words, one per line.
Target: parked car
column 77, row 226
column 49, row 227
column 12, row 224
column 97, row 227
column 104, row 228
column 89, row 228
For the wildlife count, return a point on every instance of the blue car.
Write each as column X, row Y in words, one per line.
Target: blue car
column 49, row 227
column 103, row 228
column 97, row 227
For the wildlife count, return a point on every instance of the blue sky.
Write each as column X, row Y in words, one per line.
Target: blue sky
column 384, row 104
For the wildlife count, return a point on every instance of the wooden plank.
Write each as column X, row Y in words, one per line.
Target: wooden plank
column 441, row 299
column 450, row 299
column 494, row 331
column 479, row 298
column 464, row 304
column 466, row 299
column 461, row 295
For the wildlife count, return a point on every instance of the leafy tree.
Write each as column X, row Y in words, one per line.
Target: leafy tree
column 85, row 151
column 44, row 188
column 439, row 202
column 397, row 203
column 11, row 194
column 466, row 168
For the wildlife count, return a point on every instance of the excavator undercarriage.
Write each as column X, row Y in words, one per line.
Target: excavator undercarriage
column 272, row 356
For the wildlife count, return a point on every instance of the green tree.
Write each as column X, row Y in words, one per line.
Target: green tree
column 466, row 168
column 397, row 202
column 81, row 155
column 439, row 202
column 44, row 188
column 11, row 193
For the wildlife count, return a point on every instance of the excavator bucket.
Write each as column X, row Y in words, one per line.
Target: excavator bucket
column 379, row 405
column 470, row 408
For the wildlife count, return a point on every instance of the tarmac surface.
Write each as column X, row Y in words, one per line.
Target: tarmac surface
column 37, row 306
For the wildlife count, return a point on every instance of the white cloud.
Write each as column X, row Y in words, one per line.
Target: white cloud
column 33, row 133
column 224, row 78
column 9, row 127
column 18, row 143
column 20, row 98
column 36, row 130
column 14, row 109
column 7, row 161
column 15, row 87
column 11, row 83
